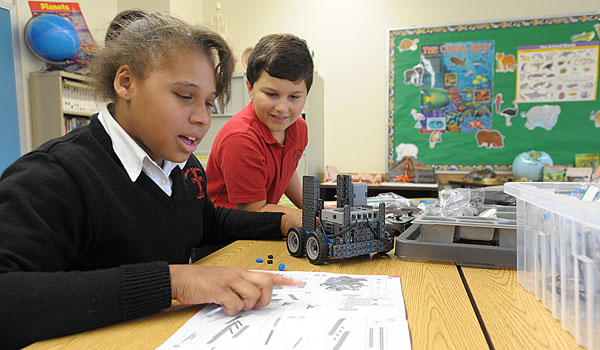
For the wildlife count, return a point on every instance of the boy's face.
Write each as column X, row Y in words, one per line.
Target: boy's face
column 277, row 102
column 169, row 112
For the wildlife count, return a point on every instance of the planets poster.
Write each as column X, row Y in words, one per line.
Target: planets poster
column 72, row 12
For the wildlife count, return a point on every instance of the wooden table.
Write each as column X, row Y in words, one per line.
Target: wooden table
column 513, row 317
column 440, row 313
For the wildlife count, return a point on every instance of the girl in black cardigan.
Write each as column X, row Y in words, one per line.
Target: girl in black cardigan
column 96, row 227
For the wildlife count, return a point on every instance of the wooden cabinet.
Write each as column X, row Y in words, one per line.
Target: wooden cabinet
column 60, row 101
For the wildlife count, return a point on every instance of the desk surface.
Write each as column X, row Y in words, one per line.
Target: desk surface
column 513, row 317
column 439, row 311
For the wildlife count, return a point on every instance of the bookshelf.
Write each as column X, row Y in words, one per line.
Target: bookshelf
column 312, row 161
column 60, row 102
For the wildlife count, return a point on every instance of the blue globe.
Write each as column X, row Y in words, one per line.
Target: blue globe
column 530, row 165
column 52, row 38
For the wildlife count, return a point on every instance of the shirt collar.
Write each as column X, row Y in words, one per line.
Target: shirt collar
column 131, row 155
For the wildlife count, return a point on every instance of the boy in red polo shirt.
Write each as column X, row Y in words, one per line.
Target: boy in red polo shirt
column 254, row 156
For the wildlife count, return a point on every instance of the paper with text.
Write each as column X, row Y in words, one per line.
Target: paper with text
column 326, row 311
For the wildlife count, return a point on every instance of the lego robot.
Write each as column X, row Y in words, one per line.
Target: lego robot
column 352, row 229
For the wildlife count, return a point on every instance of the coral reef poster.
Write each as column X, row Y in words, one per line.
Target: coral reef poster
column 456, row 90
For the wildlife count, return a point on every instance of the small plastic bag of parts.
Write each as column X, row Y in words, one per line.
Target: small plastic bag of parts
column 496, row 195
column 459, row 202
column 399, row 211
column 394, row 203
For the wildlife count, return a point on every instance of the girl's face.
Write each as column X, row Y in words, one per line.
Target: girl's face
column 277, row 102
column 169, row 112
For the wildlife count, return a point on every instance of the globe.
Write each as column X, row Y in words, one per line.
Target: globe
column 530, row 165
column 52, row 38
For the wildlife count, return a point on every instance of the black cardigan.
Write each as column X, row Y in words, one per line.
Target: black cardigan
column 81, row 246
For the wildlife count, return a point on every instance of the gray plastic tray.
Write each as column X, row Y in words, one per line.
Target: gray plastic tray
column 501, row 229
column 493, row 254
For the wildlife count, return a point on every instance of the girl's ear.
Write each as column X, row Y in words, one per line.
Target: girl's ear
column 249, row 89
column 123, row 83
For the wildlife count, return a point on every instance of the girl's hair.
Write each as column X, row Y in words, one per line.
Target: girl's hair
column 122, row 18
column 146, row 41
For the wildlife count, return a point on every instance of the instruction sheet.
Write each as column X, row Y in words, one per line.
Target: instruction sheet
column 326, row 311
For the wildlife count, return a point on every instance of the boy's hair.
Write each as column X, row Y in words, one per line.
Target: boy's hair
column 147, row 41
column 283, row 56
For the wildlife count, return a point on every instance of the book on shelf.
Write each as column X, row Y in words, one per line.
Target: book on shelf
column 72, row 122
column 587, row 160
column 596, row 175
column 578, row 174
column 554, row 173
column 79, row 99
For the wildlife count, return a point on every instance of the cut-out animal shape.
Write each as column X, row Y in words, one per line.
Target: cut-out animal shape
column 545, row 116
column 406, row 149
column 489, row 139
column 434, row 138
column 595, row 117
column 407, row 44
column 419, row 117
column 508, row 113
column 505, row 63
column 414, row 75
column 499, row 102
column 585, row 36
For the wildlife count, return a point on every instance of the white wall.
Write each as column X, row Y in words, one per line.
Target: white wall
column 189, row 10
column 148, row 5
column 349, row 38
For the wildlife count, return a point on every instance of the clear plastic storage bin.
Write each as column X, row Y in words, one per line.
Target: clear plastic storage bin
column 558, row 254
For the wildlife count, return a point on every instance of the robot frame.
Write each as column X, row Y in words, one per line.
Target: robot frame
column 352, row 229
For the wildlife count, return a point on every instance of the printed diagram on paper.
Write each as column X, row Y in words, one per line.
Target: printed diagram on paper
column 557, row 72
column 326, row 311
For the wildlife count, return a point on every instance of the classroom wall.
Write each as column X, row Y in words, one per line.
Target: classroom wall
column 97, row 14
column 189, row 10
column 349, row 38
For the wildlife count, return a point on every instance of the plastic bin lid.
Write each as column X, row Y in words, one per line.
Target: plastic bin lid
column 545, row 196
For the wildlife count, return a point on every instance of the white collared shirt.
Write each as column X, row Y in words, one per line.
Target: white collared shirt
column 134, row 158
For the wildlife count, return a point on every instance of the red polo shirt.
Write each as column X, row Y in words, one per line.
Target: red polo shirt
column 246, row 164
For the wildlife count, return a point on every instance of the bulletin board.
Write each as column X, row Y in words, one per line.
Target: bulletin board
column 12, row 124
column 479, row 94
